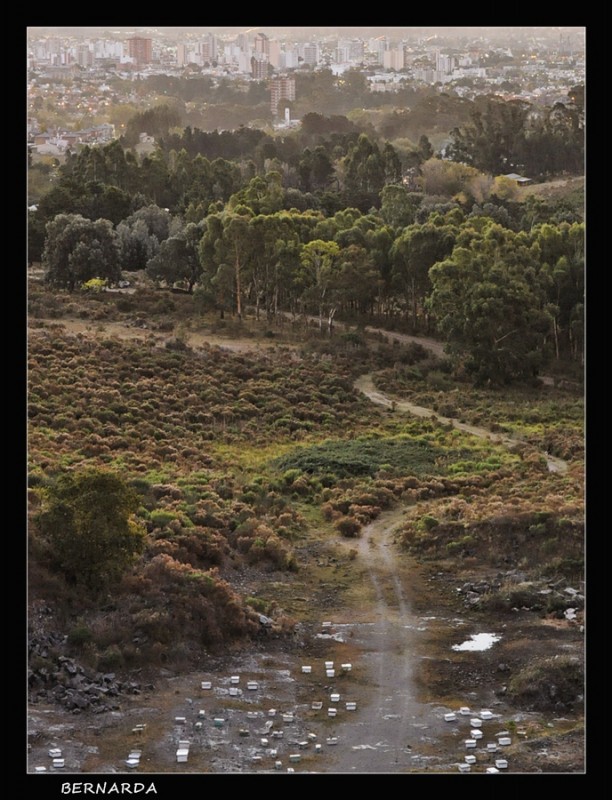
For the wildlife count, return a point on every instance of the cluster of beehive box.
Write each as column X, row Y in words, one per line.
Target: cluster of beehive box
column 485, row 754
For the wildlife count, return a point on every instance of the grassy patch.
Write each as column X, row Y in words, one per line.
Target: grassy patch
column 363, row 457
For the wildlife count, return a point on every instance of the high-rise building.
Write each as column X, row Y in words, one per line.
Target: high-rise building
column 289, row 59
column 445, row 64
column 260, row 66
column 311, row 54
column 84, row 56
column 242, row 40
column 282, row 88
column 262, row 44
column 274, row 53
column 208, row 48
column 393, row 59
column 140, row 49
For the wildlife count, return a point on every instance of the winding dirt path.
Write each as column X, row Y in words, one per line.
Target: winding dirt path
column 365, row 384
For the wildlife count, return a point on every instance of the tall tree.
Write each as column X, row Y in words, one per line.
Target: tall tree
column 319, row 276
column 178, row 259
column 489, row 302
column 414, row 252
column 78, row 249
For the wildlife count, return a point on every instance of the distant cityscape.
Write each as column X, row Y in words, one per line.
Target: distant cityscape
column 98, row 69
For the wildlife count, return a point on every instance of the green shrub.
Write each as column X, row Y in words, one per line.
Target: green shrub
column 111, row 659
column 427, row 523
column 79, row 636
column 161, row 519
column 348, row 527
column 546, row 683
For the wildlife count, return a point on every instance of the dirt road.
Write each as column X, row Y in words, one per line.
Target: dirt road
column 387, row 735
column 365, row 384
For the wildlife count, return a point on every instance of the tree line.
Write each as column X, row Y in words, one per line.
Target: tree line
column 506, row 300
column 333, row 230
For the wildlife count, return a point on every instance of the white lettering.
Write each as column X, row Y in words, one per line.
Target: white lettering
column 106, row 788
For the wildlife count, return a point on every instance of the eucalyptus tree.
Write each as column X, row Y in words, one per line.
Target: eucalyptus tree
column 489, row 302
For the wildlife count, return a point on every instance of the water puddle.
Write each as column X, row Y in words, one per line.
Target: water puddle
column 479, row 641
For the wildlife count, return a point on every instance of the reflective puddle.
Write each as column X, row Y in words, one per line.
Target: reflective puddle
column 479, row 641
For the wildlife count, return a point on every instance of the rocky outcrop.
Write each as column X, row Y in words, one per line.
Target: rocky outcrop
column 54, row 678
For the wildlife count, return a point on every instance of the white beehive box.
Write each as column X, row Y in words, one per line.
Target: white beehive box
column 486, row 714
column 334, row 697
column 464, row 767
column 316, row 705
column 470, row 743
column 58, row 763
column 492, row 747
column 470, row 759
column 464, row 711
column 475, row 722
column 55, row 752
column 331, row 712
column 234, row 679
column 252, row 685
column 501, row 763
column 504, row 741
column 351, row 705
column 450, row 717
column 271, row 712
column 206, row 685
column 306, row 669
column 346, row 667
column 476, row 733
column 330, row 673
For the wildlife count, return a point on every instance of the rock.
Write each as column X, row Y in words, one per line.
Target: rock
column 503, row 667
